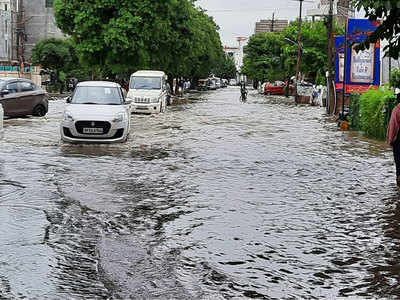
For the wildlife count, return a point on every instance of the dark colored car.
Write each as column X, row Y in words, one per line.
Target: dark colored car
column 21, row 97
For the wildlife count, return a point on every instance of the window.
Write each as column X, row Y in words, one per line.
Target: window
column 12, row 88
column 26, row 86
column 5, row 7
column 49, row 3
column 146, row 83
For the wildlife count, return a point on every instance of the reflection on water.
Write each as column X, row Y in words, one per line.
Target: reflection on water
column 214, row 199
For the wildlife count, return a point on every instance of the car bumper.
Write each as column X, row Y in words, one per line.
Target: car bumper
column 146, row 108
column 117, row 133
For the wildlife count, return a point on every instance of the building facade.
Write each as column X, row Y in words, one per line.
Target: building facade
column 271, row 26
column 341, row 10
column 237, row 54
column 39, row 23
column 7, row 32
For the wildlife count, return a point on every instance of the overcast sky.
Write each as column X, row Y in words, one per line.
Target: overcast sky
column 238, row 17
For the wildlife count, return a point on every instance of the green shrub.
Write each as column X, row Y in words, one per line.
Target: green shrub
column 394, row 80
column 320, row 80
column 354, row 113
column 375, row 109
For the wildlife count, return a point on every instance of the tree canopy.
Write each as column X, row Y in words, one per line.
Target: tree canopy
column 121, row 36
column 273, row 56
column 388, row 13
column 54, row 54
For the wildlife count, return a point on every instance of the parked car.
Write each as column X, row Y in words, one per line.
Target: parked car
column 203, row 85
column 224, row 83
column 148, row 92
column 275, row 88
column 233, row 82
column 217, row 82
column 97, row 112
column 212, row 85
column 1, row 122
column 21, row 97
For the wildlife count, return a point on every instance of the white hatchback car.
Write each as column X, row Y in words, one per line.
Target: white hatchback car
column 97, row 112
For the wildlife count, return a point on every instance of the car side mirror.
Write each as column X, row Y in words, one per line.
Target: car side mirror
column 4, row 92
column 68, row 100
column 128, row 101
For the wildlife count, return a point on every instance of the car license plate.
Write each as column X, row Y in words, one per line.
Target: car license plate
column 93, row 130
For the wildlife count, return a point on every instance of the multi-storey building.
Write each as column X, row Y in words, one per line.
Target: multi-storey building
column 271, row 25
column 341, row 10
column 7, row 20
column 39, row 23
column 22, row 24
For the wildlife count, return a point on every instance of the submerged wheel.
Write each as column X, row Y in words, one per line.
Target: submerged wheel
column 39, row 111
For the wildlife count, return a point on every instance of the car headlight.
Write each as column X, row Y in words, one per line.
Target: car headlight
column 155, row 100
column 68, row 117
column 119, row 118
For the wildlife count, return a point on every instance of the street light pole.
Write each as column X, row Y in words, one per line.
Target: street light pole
column 298, row 51
column 330, row 54
column 345, row 61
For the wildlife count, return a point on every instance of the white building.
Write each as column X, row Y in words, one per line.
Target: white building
column 7, row 9
column 237, row 53
column 39, row 23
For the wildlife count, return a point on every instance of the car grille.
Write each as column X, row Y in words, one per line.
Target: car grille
column 79, row 125
column 142, row 100
column 117, row 135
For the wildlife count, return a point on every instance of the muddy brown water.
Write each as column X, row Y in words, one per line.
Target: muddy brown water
column 215, row 199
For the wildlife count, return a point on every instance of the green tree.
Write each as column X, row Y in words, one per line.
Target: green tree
column 388, row 14
column 121, row 36
column 226, row 68
column 55, row 54
column 314, row 42
column 263, row 60
column 273, row 56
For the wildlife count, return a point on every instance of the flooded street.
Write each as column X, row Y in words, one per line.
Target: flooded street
column 214, row 199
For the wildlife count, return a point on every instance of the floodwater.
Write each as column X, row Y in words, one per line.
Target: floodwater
column 214, row 199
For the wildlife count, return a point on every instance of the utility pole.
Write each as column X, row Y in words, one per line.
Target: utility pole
column 272, row 22
column 330, row 54
column 298, row 51
column 345, row 61
column 21, row 37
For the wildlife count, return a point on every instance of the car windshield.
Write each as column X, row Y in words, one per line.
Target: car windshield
column 97, row 95
column 145, row 83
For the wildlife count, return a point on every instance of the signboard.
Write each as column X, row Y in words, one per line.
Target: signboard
column 363, row 67
column 339, row 62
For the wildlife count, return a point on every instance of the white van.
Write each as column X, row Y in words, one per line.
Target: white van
column 148, row 92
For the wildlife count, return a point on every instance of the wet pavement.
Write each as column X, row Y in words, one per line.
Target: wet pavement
column 215, row 199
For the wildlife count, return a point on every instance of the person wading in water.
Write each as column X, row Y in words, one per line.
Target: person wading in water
column 393, row 138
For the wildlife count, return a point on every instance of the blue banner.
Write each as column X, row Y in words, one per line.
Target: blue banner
column 363, row 67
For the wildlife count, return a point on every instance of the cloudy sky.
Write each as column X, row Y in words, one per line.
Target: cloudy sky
column 238, row 17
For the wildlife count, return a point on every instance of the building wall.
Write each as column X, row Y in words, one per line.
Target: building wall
column 39, row 24
column 271, row 26
column 6, row 32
